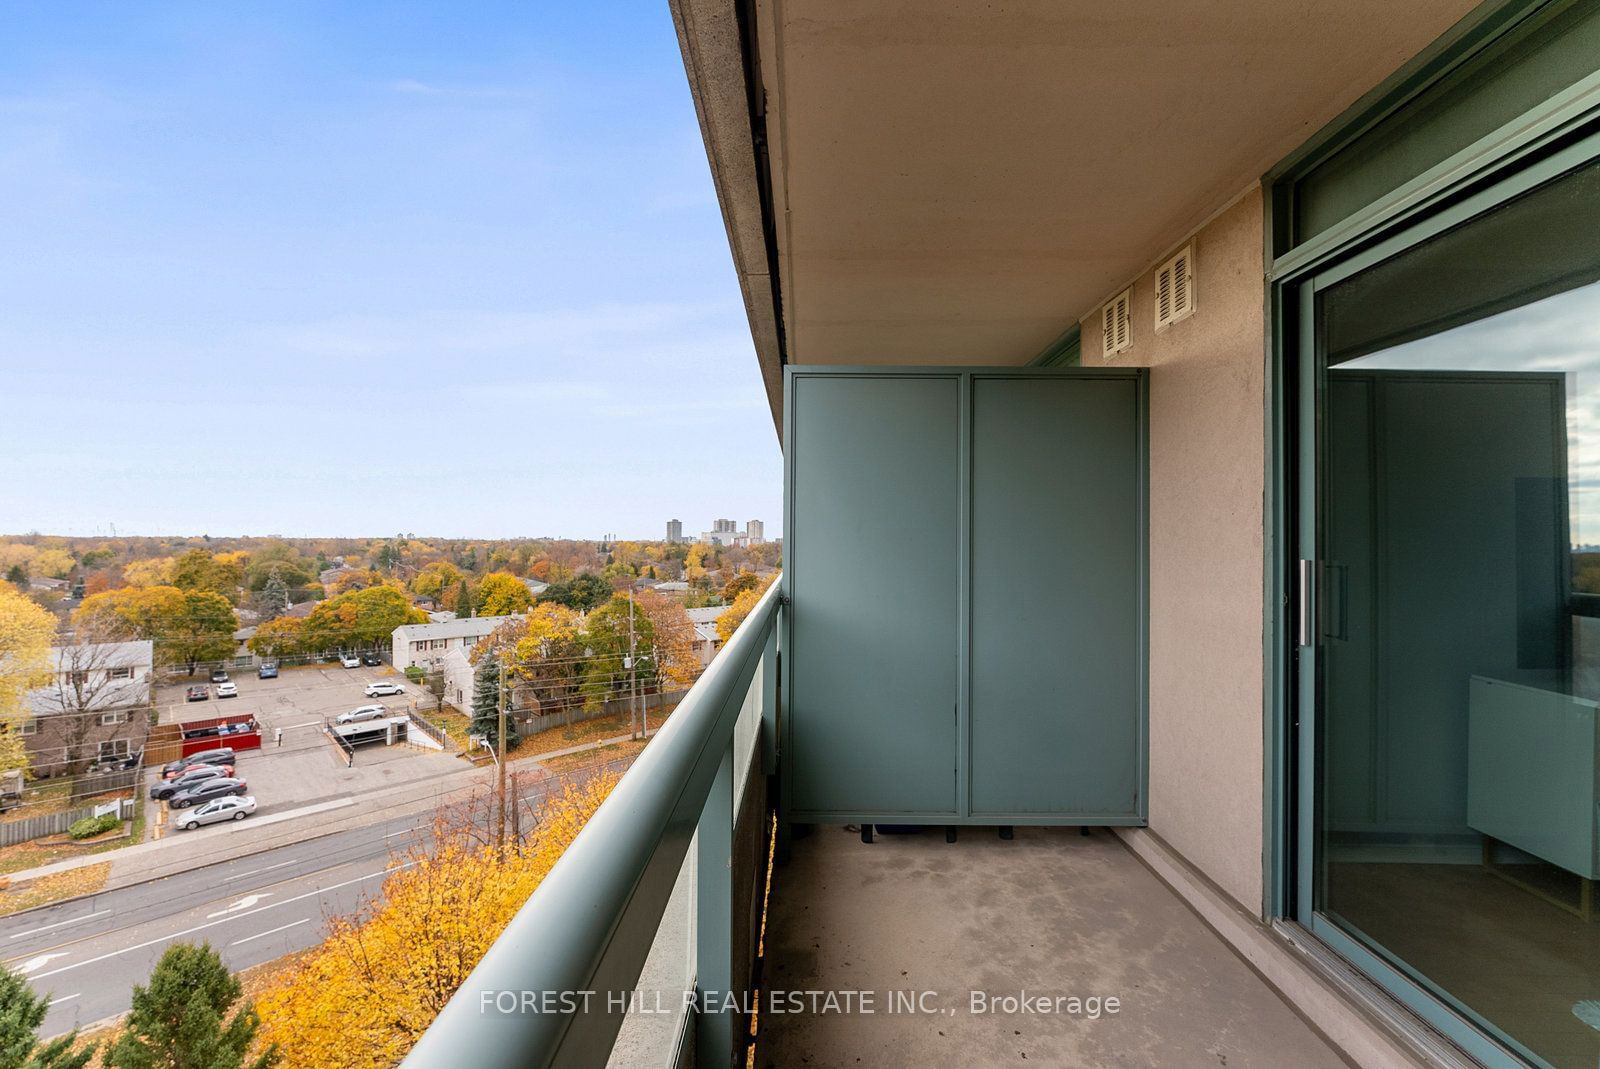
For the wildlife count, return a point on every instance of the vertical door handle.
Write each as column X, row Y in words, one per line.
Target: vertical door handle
column 1305, row 631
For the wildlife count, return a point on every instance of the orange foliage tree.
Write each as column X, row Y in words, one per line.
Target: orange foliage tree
column 364, row 996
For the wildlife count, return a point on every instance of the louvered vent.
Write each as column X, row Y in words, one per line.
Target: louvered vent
column 1175, row 289
column 1117, row 324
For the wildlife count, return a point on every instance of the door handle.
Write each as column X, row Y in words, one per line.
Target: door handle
column 1305, row 630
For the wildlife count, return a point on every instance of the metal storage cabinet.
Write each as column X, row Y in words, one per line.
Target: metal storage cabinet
column 964, row 557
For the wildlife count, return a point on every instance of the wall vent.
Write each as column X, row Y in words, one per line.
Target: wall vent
column 1175, row 289
column 1117, row 324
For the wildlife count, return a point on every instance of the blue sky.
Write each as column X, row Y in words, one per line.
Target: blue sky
column 449, row 268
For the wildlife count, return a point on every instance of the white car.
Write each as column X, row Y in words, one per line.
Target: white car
column 216, row 811
column 357, row 716
column 350, row 660
column 227, row 690
column 380, row 690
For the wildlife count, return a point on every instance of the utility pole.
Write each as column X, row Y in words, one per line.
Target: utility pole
column 500, row 748
column 633, row 660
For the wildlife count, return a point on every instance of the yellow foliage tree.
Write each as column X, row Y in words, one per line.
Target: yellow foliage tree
column 155, row 571
column 25, row 634
column 501, row 594
column 362, row 998
column 731, row 617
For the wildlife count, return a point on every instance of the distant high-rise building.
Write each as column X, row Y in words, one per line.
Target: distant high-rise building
column 724, row 525
column 756, row 531
column 674, row 530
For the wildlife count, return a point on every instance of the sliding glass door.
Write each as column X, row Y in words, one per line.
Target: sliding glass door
column 1449, row 749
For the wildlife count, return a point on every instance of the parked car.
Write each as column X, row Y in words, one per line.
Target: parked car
column 350, row 660
column 222, row 755
column 382, row 689
column 227, row 690
column 219, row 675
column 267, row 670
column 361, row 715
column 371, row 660
column 188, row 778
column 207, row 790
column 197, row 694
column 218, row 810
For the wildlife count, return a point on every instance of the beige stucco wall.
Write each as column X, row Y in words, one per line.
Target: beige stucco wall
column 1207, row 383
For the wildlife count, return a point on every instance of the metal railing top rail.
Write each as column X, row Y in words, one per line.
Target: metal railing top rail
column 590, row 924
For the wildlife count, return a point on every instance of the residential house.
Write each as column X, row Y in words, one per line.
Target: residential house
column 535, row 586
column 425, row 645
column 95, row 707
column 1271, row 327
column 707, row 641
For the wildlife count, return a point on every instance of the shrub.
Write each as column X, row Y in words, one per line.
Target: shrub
column 89, row 827
column 415, row 674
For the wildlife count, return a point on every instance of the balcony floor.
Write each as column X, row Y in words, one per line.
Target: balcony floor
column 1050, row 912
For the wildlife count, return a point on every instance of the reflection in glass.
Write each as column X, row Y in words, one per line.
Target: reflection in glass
column 1458, row 825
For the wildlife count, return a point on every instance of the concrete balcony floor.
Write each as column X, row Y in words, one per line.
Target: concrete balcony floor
column 1052, row 913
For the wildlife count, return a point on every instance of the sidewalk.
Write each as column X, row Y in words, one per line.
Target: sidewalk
column 167, row 856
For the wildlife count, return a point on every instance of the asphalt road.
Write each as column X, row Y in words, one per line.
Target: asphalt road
column 87, row 954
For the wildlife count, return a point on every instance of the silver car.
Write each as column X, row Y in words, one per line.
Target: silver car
column 365, row 713
column 232, row 807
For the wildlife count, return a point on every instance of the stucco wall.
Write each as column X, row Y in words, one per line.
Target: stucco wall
column 1207, row 383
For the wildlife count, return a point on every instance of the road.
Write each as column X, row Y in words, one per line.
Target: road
column 87, row 954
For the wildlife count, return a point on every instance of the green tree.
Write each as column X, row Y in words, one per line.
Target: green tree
column 21, row 1012
column 198, row 570
column 18, row 575
column 619, row 658
column 201, row 631
column 583, row 592
column 178, row 1022
column 502, row 594
column 486, row 702
column 463, row 603
column 272, row 599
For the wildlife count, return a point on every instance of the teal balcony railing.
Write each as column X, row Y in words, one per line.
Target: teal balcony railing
column 555, row 988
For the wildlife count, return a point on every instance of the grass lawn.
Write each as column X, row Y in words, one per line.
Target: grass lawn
column 52, row 849
column 41, row 799
column 47, row 889
column 454, row 724
column 605, row 727
column 574, row 762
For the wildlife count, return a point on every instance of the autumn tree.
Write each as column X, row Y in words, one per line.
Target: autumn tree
column 731, row 617
column 359, row 618
column 362, row 998
column 181, row 1020
column 675, row 638
column 198, row 570
column 283, row 637
column 186, row 626
column 22, row 1011
column 25, row 634
column 435, row 580
column 155, row 571
column 501, row 594
column 738, row 585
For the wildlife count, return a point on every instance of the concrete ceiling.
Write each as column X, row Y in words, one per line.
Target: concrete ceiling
column 960, row 180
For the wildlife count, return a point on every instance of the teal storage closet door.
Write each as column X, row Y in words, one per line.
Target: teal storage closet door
column 871, row 564
column 1057, row 599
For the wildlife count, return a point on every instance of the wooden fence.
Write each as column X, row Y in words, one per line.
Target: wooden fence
column 13, row 832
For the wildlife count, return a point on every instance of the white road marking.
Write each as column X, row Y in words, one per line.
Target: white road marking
column 252, row 872
column 244, row 903
column 402, row 831
column 59, row 924
column 212, row 924
column 38, row 963
column 65, row 998
column 274, row 931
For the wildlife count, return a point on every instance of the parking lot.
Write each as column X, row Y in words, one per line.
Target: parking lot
column 303, row 768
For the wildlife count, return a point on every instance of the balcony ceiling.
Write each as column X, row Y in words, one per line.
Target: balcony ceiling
column 958, row 181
